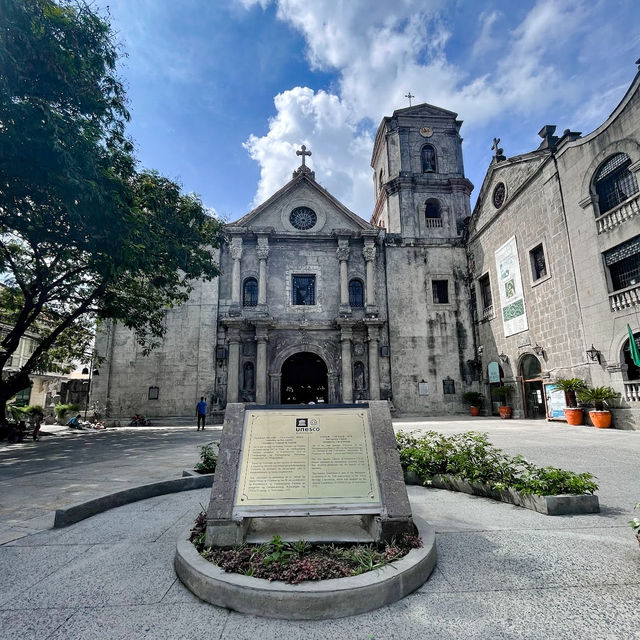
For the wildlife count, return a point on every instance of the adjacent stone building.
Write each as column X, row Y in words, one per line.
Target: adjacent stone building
column 554, row 255
column 315, row 304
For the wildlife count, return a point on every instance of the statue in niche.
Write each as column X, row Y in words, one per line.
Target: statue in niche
column 249, row 376
column 358, row 376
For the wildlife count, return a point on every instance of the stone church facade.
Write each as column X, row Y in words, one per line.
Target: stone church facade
column 315, row 304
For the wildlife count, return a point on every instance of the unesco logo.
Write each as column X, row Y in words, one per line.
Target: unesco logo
column 302, row 425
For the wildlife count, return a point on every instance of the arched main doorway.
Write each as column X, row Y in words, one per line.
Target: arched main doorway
column 531, row 373
column 304, row 379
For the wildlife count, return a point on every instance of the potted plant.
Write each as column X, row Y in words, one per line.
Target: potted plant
column 503, row 393
column 571, row 386
column 599, row 397
column 634, row 523
column 475, row 400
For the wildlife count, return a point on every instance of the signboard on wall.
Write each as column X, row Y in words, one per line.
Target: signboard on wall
column 494, row 372
column 514, row 316
column 555, row 402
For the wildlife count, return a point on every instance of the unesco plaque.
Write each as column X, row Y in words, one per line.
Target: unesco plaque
column 306, row 457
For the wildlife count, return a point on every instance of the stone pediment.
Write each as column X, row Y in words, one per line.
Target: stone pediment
column 303, row 192
column 425, row 110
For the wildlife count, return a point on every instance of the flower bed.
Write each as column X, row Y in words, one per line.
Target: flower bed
column 295, row 562
column 468, row 462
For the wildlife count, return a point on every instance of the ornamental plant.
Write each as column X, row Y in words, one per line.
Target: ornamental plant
column 599, row 397
column 571, row 386
column 634, row 523
column 472, row 457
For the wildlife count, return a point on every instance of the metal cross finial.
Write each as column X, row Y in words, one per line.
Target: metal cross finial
column 303, row 152
column 496, row 142
column 497, row 151
column 408, row 95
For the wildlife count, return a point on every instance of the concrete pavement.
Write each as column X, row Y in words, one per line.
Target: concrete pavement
column 503, row 572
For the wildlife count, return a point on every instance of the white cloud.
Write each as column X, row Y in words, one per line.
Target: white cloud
column 321, row 121
column 380, row 53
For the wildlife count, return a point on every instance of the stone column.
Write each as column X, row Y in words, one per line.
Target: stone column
column 342, row 253
column 369, row 253
column 236, row 255
column 263, row 255
column 373, row 332
column 262, row 338
column 233, row 371
column 347, row 369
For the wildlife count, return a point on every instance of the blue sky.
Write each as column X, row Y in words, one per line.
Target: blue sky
column 222, row 92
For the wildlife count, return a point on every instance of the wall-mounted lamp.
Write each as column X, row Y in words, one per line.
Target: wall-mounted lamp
column 503, row 357
column 593, row 354
column 537, row 349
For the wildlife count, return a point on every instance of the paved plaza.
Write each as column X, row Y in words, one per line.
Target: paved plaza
column 502, row 572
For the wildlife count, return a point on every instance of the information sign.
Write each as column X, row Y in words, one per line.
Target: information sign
column 555, row 402
column 307, row 457
column 494, row 372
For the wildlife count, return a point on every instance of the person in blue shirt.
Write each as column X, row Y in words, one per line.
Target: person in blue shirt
column 201, row 412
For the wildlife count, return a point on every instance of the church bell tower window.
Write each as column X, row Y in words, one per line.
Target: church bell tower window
column 428, row 156
column 250, row 293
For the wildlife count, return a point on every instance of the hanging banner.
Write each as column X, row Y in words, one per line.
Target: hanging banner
column 514, row 317
column 494, row 372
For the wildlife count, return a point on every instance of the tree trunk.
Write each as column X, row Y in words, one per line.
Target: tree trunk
column 8, row 388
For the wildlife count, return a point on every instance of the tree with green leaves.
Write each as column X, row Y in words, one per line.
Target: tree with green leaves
column 83, row 234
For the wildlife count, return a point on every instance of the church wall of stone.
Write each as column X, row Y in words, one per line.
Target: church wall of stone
column 182, row 367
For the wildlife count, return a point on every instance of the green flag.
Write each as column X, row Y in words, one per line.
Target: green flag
column 633, row 348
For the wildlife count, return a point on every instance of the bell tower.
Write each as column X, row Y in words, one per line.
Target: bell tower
column 421, row 192
column 422, row 200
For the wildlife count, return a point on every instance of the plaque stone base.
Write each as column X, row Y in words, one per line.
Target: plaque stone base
column 309, row 466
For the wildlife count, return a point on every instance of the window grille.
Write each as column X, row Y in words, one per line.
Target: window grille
column 303, row 290
column 538, row 262
column 624, row 264
column 614, row 182
column 250, row 293
column 356, row 293
column 440, row 289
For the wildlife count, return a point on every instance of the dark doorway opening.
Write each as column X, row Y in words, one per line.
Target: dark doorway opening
column 533, row 392
column 304, row 380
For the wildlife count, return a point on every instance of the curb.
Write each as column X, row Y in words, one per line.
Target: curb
column 71, row 515
column 564, row 504
column 313, row 600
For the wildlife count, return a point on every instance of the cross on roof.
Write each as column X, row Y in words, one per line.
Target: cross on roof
column 496, row 142
column 303, row 152
column 408, row 95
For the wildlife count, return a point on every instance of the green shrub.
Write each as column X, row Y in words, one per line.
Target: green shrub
column 24, row 413
column 472, row 457
column 62, row 409
column 208, row 458
column 473, row 398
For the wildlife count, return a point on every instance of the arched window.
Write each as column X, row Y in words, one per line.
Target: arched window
column 380, row 183
column 530, row 368
column 250, row 292
column 432, row 213
column 428, row 156
column 633, row 370
column 614, row 182
column 356, row 293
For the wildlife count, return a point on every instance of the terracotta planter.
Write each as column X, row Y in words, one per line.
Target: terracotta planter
column 505, row 412
column 573, row 415
column 474, row 411
column 600, row 419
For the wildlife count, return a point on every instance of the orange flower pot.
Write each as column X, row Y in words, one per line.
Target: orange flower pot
column 474, row 411
column 505, row 412
column 600, row 419
column 573, row 415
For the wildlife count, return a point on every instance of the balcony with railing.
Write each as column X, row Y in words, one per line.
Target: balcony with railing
column 624, row 211
column 487, row 313
column 625, row 298
column 632, row 391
